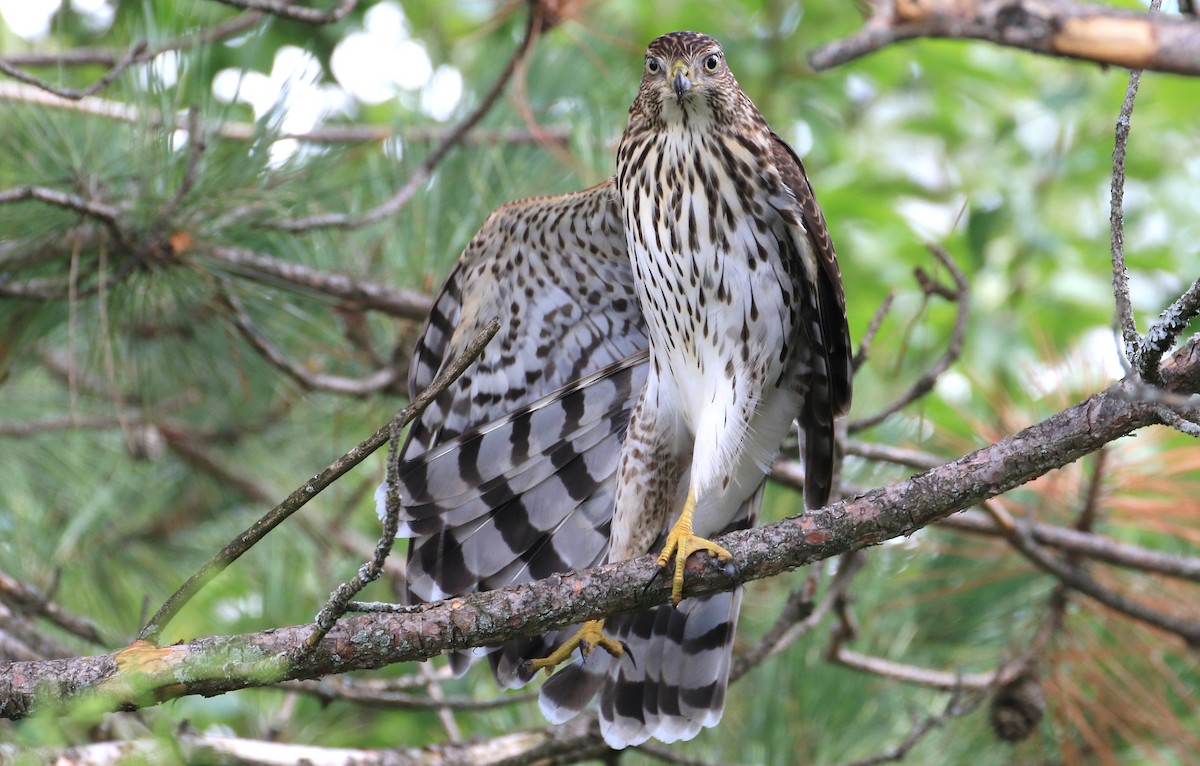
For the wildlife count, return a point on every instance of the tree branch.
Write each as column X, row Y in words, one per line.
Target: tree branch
column 398, row 200
column 407, row 304
column 119, row 111
column 143, row 674
column 310, row 489
column 110, row 58
column 30, row 601
column 293, row 12
column 130, row 58
column 960, row 295
column 1082, row 31
column 312, row 381
column 575, row 741
column 1091, row 545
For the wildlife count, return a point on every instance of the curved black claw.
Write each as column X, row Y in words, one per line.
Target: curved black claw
column 732, row 570
column 629, row 654
column 658, row 572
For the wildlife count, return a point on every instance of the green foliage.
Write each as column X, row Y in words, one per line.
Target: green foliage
column 1001, row 157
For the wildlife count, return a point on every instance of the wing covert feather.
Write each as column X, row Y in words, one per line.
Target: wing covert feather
column 509, row 474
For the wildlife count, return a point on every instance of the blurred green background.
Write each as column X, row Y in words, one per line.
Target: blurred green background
column 1001, row 157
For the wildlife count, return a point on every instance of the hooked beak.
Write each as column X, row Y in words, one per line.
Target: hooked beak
column 679, row 80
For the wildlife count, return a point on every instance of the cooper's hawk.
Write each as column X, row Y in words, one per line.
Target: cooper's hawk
column 568, row 444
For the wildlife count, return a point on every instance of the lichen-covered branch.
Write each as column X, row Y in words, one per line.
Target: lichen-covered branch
column 144, row 674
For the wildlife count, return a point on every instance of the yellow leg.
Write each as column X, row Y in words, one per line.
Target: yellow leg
column 682, row 543
column 588, row 637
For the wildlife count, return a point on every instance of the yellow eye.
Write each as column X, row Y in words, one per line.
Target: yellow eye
column 711, row 62
column 653, row 65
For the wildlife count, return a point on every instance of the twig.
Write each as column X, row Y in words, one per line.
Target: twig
column 1023, row 541
column 106, row 213
column 906, row 456
column 911, row 674
column 22, row 636
column 312, row 381
column 864, row 345
column 27, row 599
column 246, row 131
column 573, row 742
column 1164, row 332
column 961, row 296
column 286, row 10
column 407, row 304
column 196, row 146
column 957, row 706
column 1089, row 32
column 109, row 58
column 1091, row 496
column 116, row 71
column 1178, row 422
column 276, row 516
column 799, row 617
column 441, row 704
column 398, row 200
column 65, row 423
column 339, row 600
column 1094, row 546
column 1123, row 319
column 337, row 689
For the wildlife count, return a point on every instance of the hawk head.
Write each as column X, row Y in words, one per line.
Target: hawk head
column 686, row 75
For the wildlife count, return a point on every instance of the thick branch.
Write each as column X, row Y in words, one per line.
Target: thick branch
column 1083, row 31
column 144, row 674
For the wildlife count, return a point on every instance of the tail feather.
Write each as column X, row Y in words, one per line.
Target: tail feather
column 671, row 681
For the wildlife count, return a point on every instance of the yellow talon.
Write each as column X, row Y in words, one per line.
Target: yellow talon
column 589, row 636
column 682, row 543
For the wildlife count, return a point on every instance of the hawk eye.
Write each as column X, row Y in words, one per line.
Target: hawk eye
column 653, row 65
column 711, row 62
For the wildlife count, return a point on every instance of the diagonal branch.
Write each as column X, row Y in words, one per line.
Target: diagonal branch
column 28, row 600
column 310, row 381
column 143, row 674
column 369, row 572
column 130, row 58
column 407, row 304
column 306, row 492
column 419, row 176
column 961, row 296
column 1085, row 31
column 1089, row 544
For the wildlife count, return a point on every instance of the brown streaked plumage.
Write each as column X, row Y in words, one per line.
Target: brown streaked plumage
column 661, row 332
